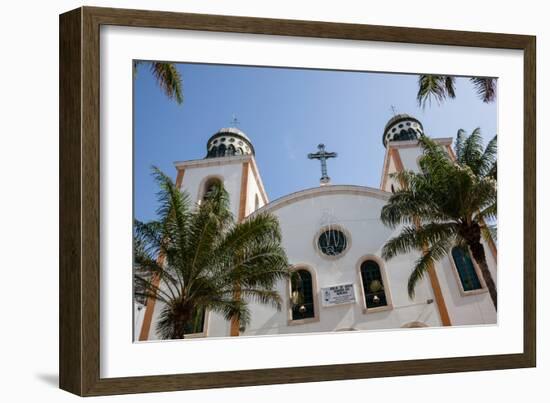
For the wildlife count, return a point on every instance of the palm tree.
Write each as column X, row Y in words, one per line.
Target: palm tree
column 436, row 87
column 168, row 78
column 205, row 254
column 446, row 204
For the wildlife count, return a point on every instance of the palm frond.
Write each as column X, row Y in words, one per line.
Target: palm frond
column 489, row 233
column 135, row 65
column 148, row 237
column 450, row 86
column 257, row 227
column 205, row 228
column 485, row 87
column 473, row 151
column 417, row 237
column 413, row 199
column 236, row 309
column 172, row 203
column 488, row 160
column 483, row 198
column 489, row 212
column 460, row 143
column 434, row 87
column 168, row 79
column 432, row 151
column 262, row 296
column 146, row 286
column 444, row 204
column 174, row 316
column 434, row 253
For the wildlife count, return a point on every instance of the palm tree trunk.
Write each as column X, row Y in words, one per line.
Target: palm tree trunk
column 235, row 324
column 479, row 255
column 179, row 325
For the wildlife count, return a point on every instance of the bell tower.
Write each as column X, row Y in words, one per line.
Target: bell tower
column 400, row 138
column 230, row 159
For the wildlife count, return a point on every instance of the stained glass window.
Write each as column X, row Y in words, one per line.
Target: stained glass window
column 332, row 242
column 302, row 295
column 373, row 285
column 466, row 269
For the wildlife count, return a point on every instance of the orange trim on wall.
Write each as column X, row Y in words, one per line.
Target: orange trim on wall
column 392, row 154
column 244, row 191
column 451, row 152
column 235, row 325
column 150, row 306
column 397, row 160
column 438, row 296
column 385, row 169
column 260, row 185
column 436, row 287
column 179, row 178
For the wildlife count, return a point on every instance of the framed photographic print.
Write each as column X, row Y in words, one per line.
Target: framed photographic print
column 249, row 201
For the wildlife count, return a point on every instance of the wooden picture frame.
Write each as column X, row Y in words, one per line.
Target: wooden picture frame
column 80, row 199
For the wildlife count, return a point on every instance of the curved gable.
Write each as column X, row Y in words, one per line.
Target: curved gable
column 324, row 191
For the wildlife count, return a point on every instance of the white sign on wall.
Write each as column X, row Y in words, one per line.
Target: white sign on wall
column 338, row 294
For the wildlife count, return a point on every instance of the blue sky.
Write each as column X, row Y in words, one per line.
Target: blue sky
column 286, row 113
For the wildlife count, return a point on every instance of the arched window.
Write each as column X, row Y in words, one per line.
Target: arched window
column 466, row 269
column 373, row 285
column 231, row 150
column 301, row 295
column 209, row 186
column 221, row 150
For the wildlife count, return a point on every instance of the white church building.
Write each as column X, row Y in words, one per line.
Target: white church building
column 333, row 236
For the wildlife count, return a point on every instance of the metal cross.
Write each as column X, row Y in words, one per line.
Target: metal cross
column 234, row 122
column 322, row 156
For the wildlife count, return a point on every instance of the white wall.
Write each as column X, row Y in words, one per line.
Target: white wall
column 28, row 162
column 195, row 178
column 409, row 157
column 359, row 216
column 253, row 190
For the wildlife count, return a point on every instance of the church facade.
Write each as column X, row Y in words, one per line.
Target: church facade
column 333, row 237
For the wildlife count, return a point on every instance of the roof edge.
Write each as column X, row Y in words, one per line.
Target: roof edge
column 321, row 191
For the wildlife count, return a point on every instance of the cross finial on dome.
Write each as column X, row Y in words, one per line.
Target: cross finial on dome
column 234, row 121
column 393, row 110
